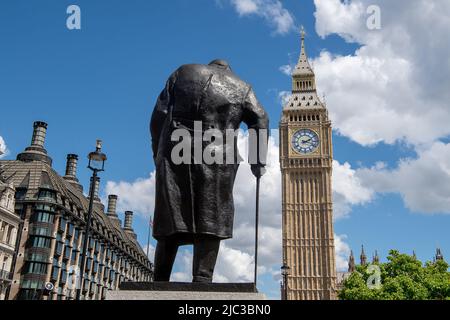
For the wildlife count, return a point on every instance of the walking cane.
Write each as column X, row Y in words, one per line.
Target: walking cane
column 258, row 179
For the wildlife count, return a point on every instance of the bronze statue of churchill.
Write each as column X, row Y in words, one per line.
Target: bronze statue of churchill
column 194, row 201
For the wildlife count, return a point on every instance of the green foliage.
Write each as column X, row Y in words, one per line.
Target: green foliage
column 403, row 277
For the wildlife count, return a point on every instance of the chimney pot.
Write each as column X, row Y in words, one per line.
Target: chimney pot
column 112, row 205
column 71, row 165
column 36, row 151
column 39, row 133
column 128, row 220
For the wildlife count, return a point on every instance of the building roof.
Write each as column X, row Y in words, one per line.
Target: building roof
column 35, row 175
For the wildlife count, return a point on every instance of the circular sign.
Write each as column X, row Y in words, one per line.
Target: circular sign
column 49, row 286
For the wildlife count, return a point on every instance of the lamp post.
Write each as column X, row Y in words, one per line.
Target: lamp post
column 96, row 164
column 285, row 273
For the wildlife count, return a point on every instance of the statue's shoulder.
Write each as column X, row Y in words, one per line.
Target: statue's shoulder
column 187, row 70
column 196, row 71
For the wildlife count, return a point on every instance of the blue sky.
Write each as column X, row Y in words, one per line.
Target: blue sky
column 102, row 82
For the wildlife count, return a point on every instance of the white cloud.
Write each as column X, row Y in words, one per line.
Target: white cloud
column 342, row 252
column 270, row 10
column 395, row 86
column 151, row 251
column 347, row 18
column 287, row 69
column 348, row 190
column 284, row 96
column 3, row 149
column 423, row 183
column 138, row 196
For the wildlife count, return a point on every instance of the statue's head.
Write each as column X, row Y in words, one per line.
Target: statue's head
column 221, row 64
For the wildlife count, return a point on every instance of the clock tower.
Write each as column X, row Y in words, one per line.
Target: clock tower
column 306, row 157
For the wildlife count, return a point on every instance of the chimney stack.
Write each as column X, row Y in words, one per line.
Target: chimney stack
column 36, row 151
column 112, row 205
column 112, row 210
column 71, row 171
column 128, row 220
column 39, row 133
column 71, row 166
column 128, row 225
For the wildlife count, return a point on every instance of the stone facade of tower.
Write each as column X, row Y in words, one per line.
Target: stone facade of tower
column 306, row 157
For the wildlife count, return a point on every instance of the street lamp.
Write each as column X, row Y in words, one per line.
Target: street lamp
column 285, row 273
column 96, row 164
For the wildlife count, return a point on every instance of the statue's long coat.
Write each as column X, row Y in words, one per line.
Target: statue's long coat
column 193, row 199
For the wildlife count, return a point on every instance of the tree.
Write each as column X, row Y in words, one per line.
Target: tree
column 403, row 277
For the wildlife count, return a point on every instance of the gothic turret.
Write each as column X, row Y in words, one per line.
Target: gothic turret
column 363, row 257
column 351, row 263
column 439, row 255
column 376, row 258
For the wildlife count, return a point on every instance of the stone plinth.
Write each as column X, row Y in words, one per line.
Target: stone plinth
column 185, row 291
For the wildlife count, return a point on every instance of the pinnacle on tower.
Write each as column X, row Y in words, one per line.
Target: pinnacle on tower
column 376, row 258
column 351, row 262
column 439, row 255
column 363, row 257
column 303, row 68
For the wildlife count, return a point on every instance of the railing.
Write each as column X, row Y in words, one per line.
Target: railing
column 5, row 275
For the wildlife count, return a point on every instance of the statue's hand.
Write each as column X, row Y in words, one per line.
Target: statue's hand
column 258, row 170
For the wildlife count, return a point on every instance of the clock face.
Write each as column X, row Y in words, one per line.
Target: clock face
column 305, row 141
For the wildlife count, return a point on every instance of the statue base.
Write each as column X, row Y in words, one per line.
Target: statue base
column 185, row 291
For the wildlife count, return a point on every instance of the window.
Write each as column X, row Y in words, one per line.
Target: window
column 9, row 235
column 41, row 231
column 67, row 253
column 40, row 242
column 76, row 234
column 21, row 193
column 41, row 216
column 47, row 195
column 32, row 284
column 70, row 229
column 62, row 224
column 58, row 248
column 36, row 268
column 55, row 273
column 74, row 256
column 37, row 257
